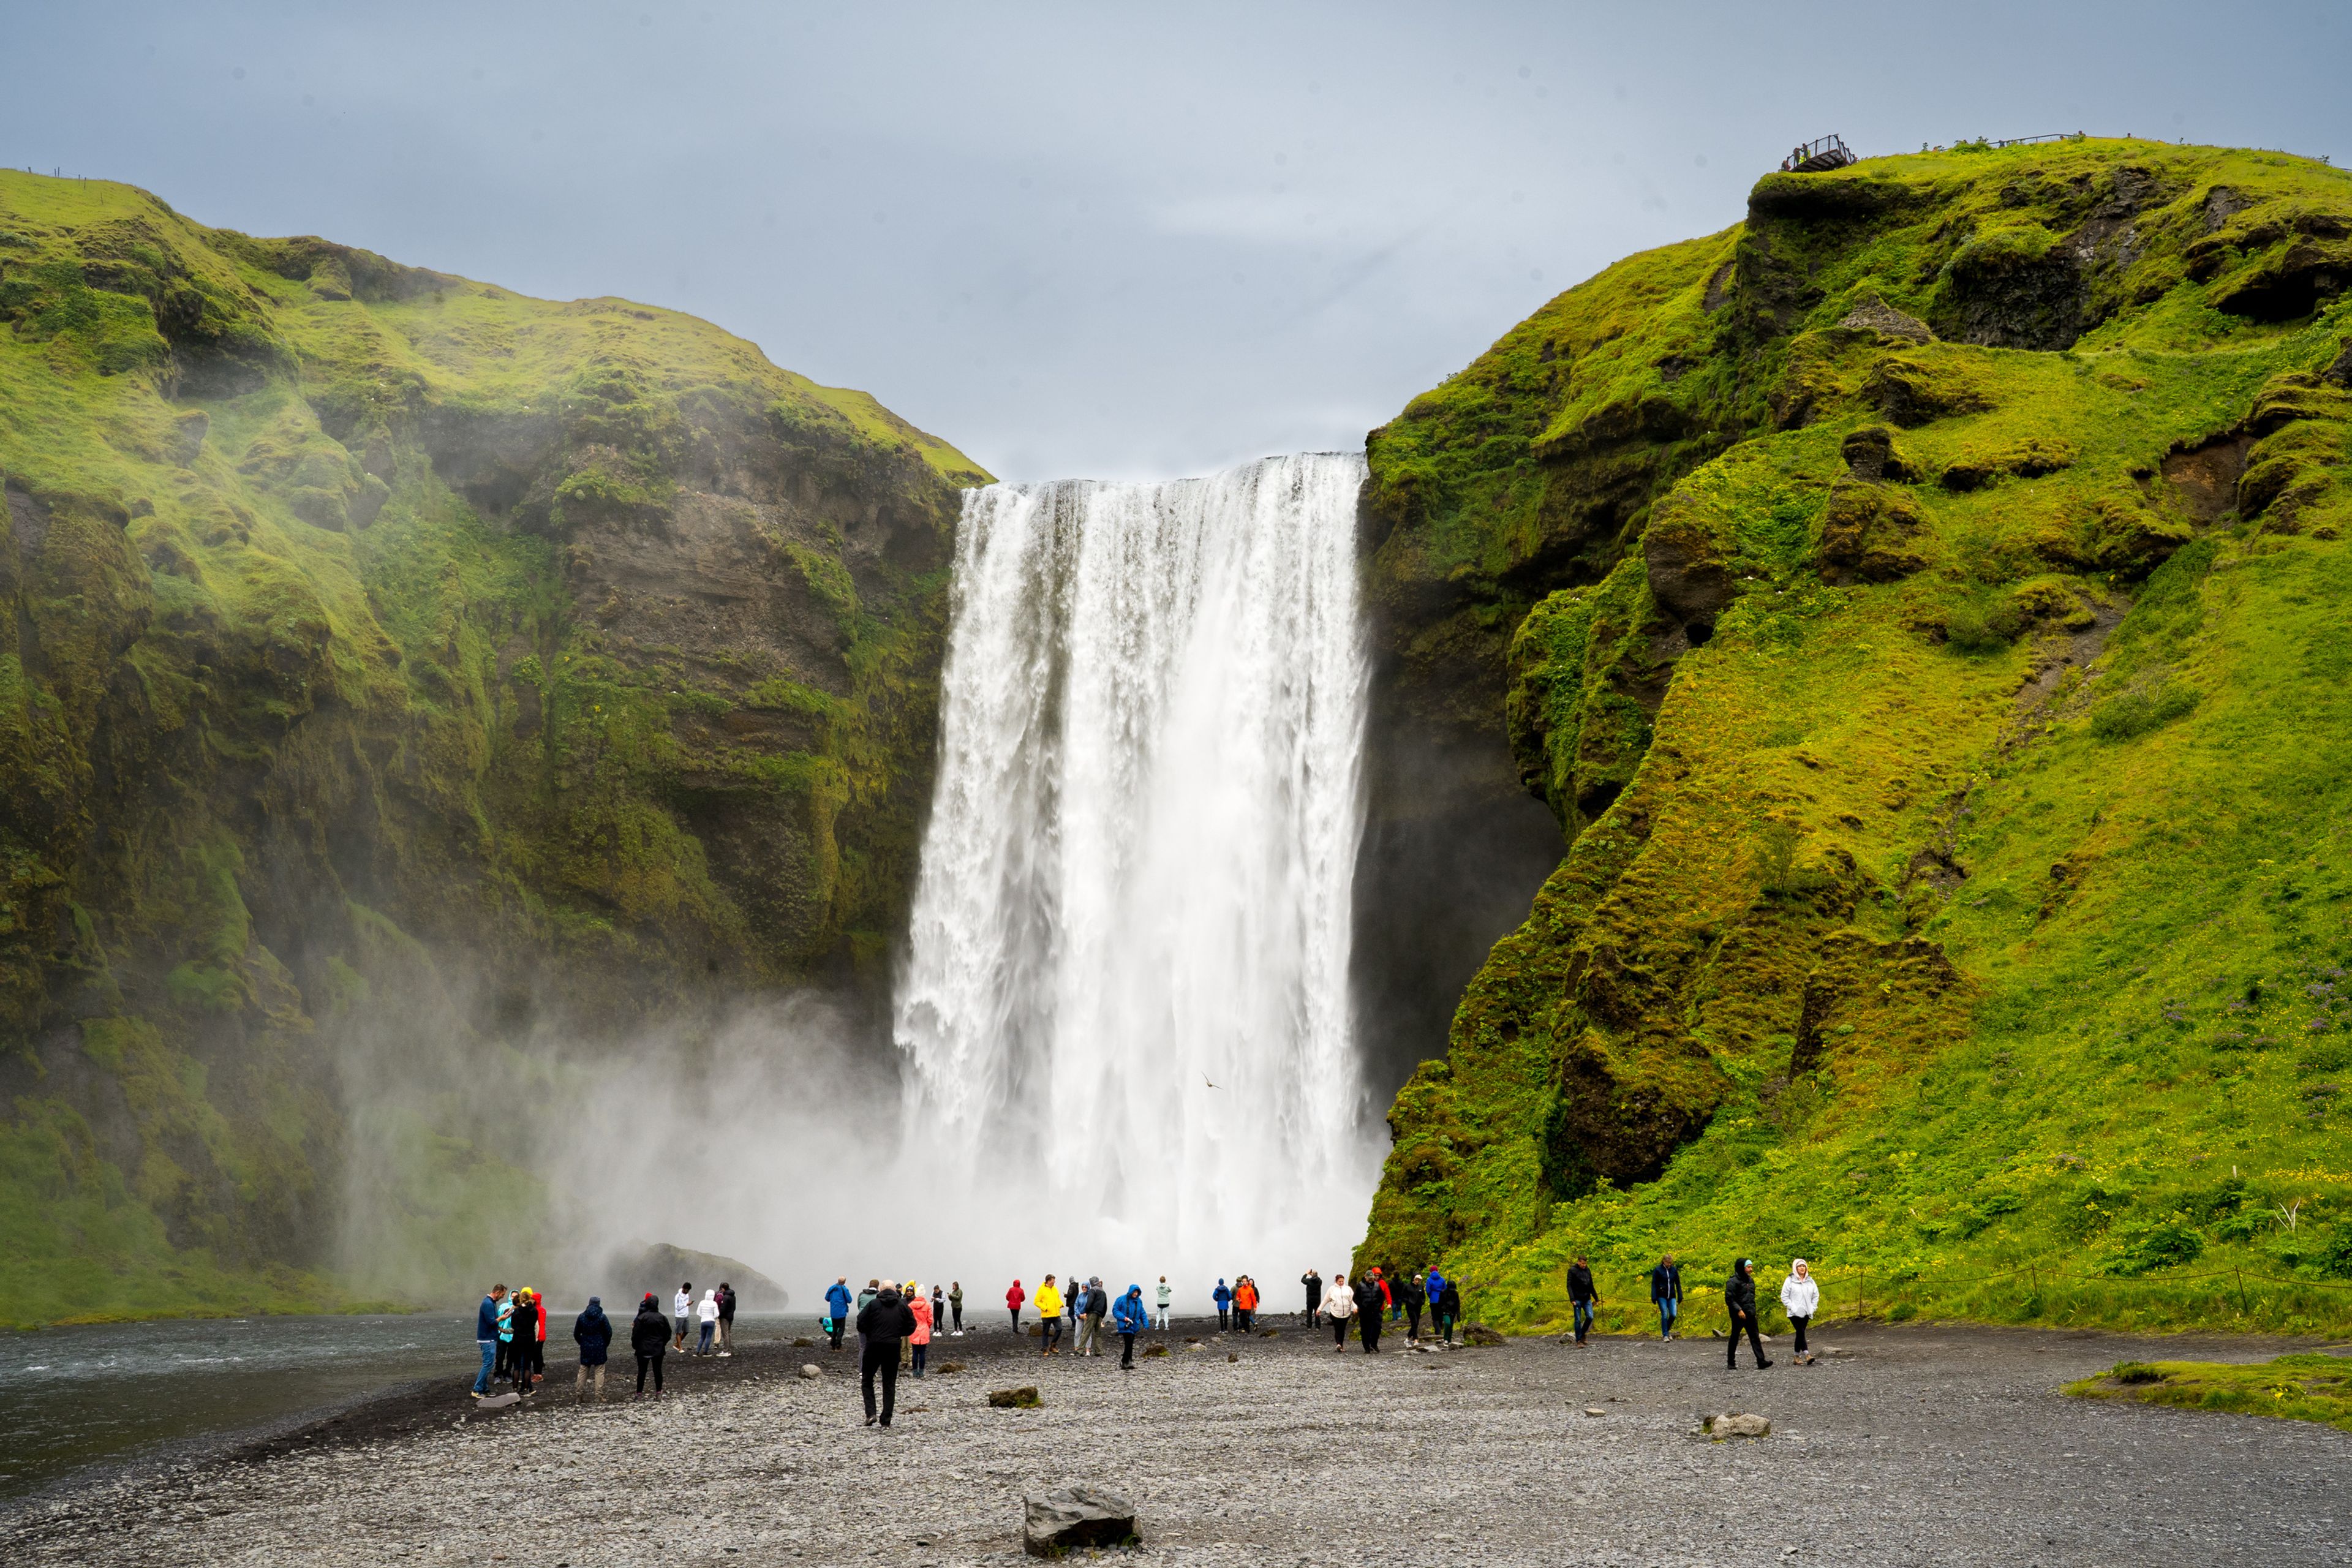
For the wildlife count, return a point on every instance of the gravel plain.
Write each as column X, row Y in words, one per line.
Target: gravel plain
column 1905, row 1445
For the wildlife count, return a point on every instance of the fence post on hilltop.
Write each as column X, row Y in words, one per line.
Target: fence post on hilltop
column 2243, row 1310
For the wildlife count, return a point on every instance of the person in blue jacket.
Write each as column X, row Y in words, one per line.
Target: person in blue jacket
column 1432, row 1290
column 1224, row 1300
column 1128, row 1316
column 1666, row 1291
column 486, row 1336
column 593, row 1332
column 836, row 1306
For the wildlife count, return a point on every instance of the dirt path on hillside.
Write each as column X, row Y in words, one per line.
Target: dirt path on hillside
column 1910, row 1444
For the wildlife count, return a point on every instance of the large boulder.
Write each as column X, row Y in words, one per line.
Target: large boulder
column 1069, row 1519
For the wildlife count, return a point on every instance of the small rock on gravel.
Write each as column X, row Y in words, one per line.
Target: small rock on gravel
column 1070, row 1519
column 810, row 1369
column 1024, row 1398
column 1737, row 1426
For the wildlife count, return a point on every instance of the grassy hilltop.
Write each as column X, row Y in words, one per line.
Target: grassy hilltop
column 1927, row 609
column 367, row 617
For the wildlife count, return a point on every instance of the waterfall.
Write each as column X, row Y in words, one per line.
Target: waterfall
column 1124, row 1014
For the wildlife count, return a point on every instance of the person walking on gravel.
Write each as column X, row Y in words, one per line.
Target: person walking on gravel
column 1449, row 1311
column 1339, row 1306
column 1049, row 1316
column 921, row 1338
column 592, row 1330
column 1371, row 1306
column 1585, row 1296
column 1408, row 1290
column 1128, row 1317
column 837, row 1308
column 1012, row 1301
column 1245, row 1303
column 725, row 1319
column 681, row 1307
column 1666, row 1292
column 486, row 1337
column 1739, row 1300
column 1097, row 1308
column 955, row 1304
column 1314, row 1284
column 1224, row 1300
column 884, row 1322
column 649, row 1339
column 1800, row 1297
column 1164, row 1294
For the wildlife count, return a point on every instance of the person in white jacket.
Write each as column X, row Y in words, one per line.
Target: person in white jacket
column 1164, row 1294
column 1340, row 1305
column 1801, row 1296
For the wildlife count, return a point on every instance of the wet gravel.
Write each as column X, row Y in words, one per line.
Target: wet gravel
column 1910, row 1444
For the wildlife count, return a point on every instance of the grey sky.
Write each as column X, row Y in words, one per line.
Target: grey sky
column 1092, row 239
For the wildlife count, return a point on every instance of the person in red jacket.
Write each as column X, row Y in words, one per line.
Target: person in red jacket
column 1013, row 1298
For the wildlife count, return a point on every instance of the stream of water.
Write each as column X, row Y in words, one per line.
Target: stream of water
column 1126, row 1010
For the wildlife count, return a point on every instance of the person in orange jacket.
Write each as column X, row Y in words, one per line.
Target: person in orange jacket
column 1245, row 1300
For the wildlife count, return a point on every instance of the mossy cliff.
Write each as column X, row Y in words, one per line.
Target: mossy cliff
column 398, row 659
column 1926, row 609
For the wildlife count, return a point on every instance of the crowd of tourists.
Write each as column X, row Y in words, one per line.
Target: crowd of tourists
column 896, row 1321
column 510, row 1330
column 1801, row 1299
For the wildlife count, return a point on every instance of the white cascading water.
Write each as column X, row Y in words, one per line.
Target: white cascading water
column 1125, row 1012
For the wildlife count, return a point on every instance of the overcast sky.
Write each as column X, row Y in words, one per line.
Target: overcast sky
column 1097, row 239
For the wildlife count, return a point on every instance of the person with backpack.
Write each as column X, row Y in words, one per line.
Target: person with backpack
column 1339, row 1306
column 1049, row 1316
column 1800, row 1298
column 1739, row 1300
column 1164, row 1293
column 1409, row 1292
column 837, row 1308
column 1013, row 1299
column 1449, row 1311
column 486, row 1336
column 884, row 1321
column 1128, row 1317
column 592, row 1330
column 1666, row 1291
column 1584, row 1297
column 925, row 1318
column 1223, row 1298
column 1314, row 1286
column 1097, row 1308
column 649, row 1339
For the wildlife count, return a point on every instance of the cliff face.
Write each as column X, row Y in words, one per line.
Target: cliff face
column 1921, row 608
column 398, row 658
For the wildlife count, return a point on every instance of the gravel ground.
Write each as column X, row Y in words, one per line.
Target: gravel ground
column 1910, row 1444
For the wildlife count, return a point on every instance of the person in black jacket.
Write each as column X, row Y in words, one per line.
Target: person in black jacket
column 1411, row 1295
column 592, row 1330
column 1314, row 1283
column 1739, row 1300
column 1585, row 1296
column 886, row 1321
column 649, row 1337
column 1370, row 1310
column 1449, row 1311
column 725, row 1319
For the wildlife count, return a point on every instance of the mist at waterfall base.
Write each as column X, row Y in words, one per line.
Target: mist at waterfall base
column 1122, row 1016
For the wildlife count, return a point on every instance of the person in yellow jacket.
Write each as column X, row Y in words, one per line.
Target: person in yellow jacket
column 1049, row 1312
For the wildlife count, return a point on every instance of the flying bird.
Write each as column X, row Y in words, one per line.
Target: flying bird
column 1205, row 1079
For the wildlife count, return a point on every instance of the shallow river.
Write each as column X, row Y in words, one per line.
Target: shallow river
column 81, row 1397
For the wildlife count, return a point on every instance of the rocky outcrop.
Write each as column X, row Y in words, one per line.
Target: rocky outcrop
column 1755, row 684
column 409, row 673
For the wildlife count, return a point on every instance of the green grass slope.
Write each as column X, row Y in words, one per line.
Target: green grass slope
column 1927, row 609
column 2314, row 1387
column 405, row 670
